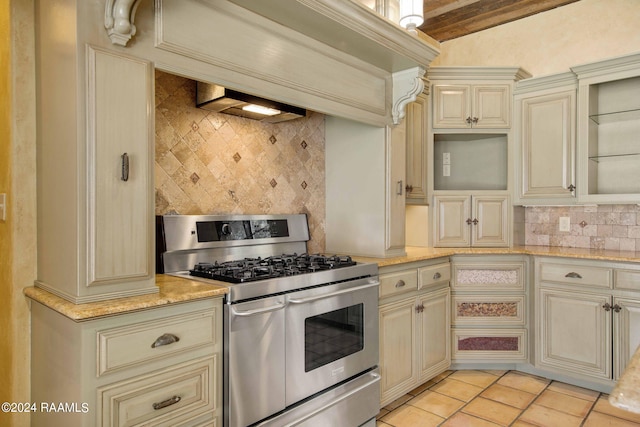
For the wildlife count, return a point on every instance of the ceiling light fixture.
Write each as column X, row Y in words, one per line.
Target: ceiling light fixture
column 411, row 15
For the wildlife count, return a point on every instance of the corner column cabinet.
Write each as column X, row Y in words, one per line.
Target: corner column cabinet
column 489, row 309
column 161, row 366
column 588, row 317
column 545, row 128
column 417, row 165
column 414, row 325
column 95, row 166
column 608, row 129
column 470, row 144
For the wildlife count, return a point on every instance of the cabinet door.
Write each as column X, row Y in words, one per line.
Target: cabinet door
column 547, row 129
column 451, row 216
column 490, row 224
column 491, row 106
column 626, row 323
column 416, row 150
column 120, row 170
column 451, row 106
column 435, row 323
column 574, row 332
column 396, row 158
column 397, row 347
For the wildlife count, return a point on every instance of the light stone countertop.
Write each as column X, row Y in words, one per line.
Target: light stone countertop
column 414, row 254
column 171, row 290
column 626, row 393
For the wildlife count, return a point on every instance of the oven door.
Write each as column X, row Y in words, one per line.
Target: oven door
column 332, row 335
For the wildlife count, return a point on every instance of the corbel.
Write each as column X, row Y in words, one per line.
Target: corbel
column 118, row 20
column 407, row 85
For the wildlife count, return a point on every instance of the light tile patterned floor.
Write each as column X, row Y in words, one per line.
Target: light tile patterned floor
column 502, row 398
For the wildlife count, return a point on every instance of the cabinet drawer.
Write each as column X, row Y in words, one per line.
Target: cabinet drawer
column 474, row 310
column 576, row 274
column 434, row 274
column 488, row 276
column 131, row 345
column 395, row 283
column 627, row 279
column 489, row 344
column 164, row 398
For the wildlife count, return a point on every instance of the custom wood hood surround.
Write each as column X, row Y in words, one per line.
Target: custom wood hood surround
column 331, row 56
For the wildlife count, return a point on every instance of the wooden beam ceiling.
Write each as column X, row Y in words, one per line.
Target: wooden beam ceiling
column 450, row 19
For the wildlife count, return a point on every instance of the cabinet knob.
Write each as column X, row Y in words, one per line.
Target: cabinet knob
column 571, row 188
column 475, row 120
column 617, row 308
column 469, row 120
column 437, row 276
column 469, row 221
column 409, row 188
column 420, row 308
column 607, row 306
column 400, row 284
column 475, row 221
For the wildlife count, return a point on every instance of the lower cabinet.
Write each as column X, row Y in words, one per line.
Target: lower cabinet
column 414, row 326
column 588, row 317
column 157, row 367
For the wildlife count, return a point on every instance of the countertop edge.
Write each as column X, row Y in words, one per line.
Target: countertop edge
column 172, row 290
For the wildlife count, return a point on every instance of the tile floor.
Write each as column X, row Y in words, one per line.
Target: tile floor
column 502, row 398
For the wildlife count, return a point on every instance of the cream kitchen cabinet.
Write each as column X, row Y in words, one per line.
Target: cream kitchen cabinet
column 608, row 129
column 489, row 309
column 471, row 106
column 463, row 220
column 95, row 166
column 414, row 326
column 588, row 317
column 545, row 128
column 417, row 165
column 161, row 366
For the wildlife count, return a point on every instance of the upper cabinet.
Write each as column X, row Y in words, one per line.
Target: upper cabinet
column 471, row 106
column 417, row 164
column 545, row 130
column 608, row 130
column 473, row 97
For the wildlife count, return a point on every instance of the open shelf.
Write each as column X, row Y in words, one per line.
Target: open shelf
column 616, row 116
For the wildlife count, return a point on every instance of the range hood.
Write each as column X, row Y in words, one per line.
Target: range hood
column 223, row 100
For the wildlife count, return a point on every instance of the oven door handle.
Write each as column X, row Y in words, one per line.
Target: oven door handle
column 332, row 294
column 276, row 307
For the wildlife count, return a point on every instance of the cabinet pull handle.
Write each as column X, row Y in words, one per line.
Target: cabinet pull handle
column 607, row 306
column 573, row 275
column 171, row 401
column 165, row 339
column 400, row 284
column 617, row 308
column 125, row 167
column 399, row 190
column 437, row 276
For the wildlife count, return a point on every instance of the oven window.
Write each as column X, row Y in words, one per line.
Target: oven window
column 333, row 335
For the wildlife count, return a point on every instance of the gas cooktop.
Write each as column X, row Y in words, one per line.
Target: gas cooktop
column 253, row 269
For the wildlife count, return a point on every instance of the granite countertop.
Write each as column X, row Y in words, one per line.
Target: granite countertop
column 423, row 253
column 626, row 394
column 171, row 290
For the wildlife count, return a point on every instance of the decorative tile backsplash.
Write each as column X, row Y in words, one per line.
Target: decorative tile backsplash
column 212, row 163
column 615, row 227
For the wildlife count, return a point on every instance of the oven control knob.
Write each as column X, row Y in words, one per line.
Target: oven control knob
column 226, row 230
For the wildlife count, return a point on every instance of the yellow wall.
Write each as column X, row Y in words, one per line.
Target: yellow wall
column 551, row 42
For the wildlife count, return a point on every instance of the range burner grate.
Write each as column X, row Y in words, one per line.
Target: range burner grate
column 252, row 269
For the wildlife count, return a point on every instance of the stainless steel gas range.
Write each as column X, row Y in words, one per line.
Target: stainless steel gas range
column 300, row 330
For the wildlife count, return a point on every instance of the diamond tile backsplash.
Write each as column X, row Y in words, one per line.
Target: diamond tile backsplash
column 212, row 163
column 615, row 227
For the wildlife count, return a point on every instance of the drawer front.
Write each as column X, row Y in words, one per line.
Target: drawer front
column 627, row 279
column 576, row 274
column 472, row 310
column 396, row 283
column 488, row 277
column 124, row 347
column 433, row 275
column 489, row 344
column 165, row 398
